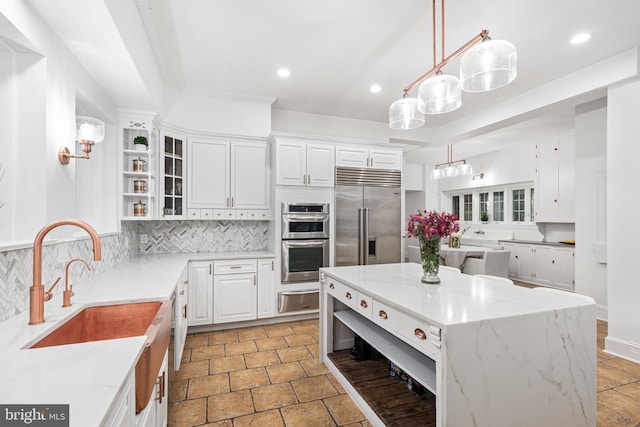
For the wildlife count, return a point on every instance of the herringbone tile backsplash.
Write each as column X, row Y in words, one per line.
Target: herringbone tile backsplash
column 16, row 266
column 170, row 237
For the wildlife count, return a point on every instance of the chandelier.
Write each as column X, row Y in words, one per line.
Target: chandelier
column 486, row 65
column 450, row 170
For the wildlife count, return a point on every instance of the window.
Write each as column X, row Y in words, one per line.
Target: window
column 518, row 213
column 498, row 205
column 507, row 204
column 455, row 206
column 484, row 204
column 468, row 207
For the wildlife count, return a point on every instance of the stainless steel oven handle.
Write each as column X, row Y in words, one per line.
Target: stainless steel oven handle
column 305, row 218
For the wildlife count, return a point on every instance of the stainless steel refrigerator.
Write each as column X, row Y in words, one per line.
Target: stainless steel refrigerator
column 368, row 216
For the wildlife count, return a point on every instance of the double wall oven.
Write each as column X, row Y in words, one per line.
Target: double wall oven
column 305, row 241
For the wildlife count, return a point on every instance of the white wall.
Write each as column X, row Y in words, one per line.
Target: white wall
column 623, row 148
column 590, row 162
column 202, row 113
column 343, row 128
column 46, row 83
column 516, row 164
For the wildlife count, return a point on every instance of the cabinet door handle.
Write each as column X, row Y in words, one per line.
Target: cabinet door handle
column 383, row 314
column 235, row 266
column 420, row 334
column 331, row 286
column 227, row 205
column 363, row 304
column 185, row 311
column 210, row 269
column 255, row 281
column 348, row 295
column 372, row 162
column 160, row 383
column 309, row 179
column 232, row 202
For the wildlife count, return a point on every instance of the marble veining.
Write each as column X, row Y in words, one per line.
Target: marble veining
column 509, row 356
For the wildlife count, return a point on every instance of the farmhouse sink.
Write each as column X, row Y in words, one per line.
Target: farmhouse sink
column 107, row 322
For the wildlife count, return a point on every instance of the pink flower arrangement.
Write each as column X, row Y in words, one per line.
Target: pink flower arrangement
column 430, row 224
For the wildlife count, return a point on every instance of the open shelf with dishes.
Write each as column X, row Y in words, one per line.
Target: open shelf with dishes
column 138, row 188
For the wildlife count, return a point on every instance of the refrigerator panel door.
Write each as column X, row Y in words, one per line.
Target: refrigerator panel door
column 348, row 204
column 385, row 224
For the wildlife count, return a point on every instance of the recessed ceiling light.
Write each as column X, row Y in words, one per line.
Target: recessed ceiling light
column 283, row 72
column 580, row 38
column 375, row 88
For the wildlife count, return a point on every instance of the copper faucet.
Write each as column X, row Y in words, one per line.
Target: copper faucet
column 68, row 287
column 36, row 292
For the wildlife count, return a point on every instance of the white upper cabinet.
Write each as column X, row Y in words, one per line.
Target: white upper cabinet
column 555, row 179
column 209, row 177
column 227, row 175
column 304, row 163
column 249, row 183
column 367, row 157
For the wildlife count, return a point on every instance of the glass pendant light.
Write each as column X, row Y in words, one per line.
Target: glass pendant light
column 488, row 65
column 464, row 169
column 404, row 114
column 449, row 171
column 436, row 174
column 439, row 94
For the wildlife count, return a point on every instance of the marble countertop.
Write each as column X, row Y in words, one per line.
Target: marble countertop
column 459, row 298
column 88, row 376
column 537, row 242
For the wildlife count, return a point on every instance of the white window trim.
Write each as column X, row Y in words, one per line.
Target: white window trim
column 508, row 203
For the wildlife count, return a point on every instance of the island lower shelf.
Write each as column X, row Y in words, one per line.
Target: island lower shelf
column 390, row 398
column 387, row 396
column 416, row 364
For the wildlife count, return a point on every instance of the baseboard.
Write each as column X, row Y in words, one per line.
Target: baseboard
column 624, row 349
column 251, row 323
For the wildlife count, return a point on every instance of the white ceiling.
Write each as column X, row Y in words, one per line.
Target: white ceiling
column 336, row 49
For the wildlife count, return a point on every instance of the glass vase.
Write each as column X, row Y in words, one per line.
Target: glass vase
column 430, row 254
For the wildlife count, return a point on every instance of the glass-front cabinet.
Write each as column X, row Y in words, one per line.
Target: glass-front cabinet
column 172, row 178
column 139, row 148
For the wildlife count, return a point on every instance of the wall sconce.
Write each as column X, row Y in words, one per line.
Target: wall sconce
column 89, row 131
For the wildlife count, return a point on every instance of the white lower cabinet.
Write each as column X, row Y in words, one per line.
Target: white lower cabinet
column 200, row 310
column 266, row 288
column 181, row 320
column 542, row 264
column 235, row 297
column 231, row 291
column 155, row 414
column 564, row 268
column 124, row 412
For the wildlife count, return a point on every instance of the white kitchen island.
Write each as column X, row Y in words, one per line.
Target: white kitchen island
column 493, row 354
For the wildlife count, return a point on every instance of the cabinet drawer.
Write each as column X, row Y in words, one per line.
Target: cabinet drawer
column 365, row 305
column 343, row 293
column 235, row 266
column 417, row 333
column 193, row 213
column 242, row 214
column 206, row 213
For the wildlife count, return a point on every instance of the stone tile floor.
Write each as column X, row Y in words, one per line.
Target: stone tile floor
column 271, row 376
